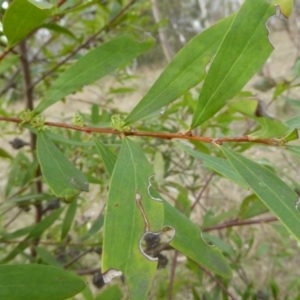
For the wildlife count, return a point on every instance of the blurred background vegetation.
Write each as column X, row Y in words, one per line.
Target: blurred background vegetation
column 264, row 257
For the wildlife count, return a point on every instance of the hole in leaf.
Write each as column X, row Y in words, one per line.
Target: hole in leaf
column 152, row 243
column 149, row 188
column 205, row 238
column 110, row 274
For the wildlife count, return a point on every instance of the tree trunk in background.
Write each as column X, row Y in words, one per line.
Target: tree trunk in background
column 168, row 52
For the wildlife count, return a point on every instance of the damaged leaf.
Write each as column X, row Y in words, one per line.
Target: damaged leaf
column 130, row 212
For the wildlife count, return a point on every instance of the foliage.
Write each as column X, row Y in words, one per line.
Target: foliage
column 155, row 194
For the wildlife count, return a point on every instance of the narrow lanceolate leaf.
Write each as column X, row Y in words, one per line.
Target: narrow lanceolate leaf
column 36, row 282
column 108, row 157
column 242, row 53
column 68, row 220
column 188, row 241
column 185, row 71
column 271, row 190
column 23, row 16
column 219, row 165
column 96, row 64
column 47, row 257
column 131, row 211
column 63, row 178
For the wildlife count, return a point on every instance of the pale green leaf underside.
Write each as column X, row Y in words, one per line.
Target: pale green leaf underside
column 63, row 178
column 271, row 190
column 185, row 71
column 96, row 64
column 35, row 282
column 242, row 53
column 21, row 17
column 125, row 222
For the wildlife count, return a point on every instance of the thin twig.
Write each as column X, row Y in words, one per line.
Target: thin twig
column 10, row 83
column 78, row 257
column 240, row 223
column 88, row 271
column 202, row 190
column 172, row 275
column 162, row 135
column 13, row 218
column 218, row 282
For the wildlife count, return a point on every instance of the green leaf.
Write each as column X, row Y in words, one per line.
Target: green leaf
column 40, row 227
column 291, row 136
column 64, row 180
column 187, row 240
column 87, row 293
column 112, row 292
column 219, row 165
column 5, row 154
column 269, row 126
column 27, row 199
column 108, row 157
column 47, row 257
column 293, row 122
column 130, row 213
column 271, row 190
column 23, row 16
column 68, row 220
column 94, row 228
column 16, row 177
column 96, row 64
column 185, row 71
column 242, row 53
column 251, row 207
column 16, row 234
column 36, row 282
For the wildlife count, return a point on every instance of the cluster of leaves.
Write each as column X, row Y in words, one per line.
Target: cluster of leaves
column 235, row 49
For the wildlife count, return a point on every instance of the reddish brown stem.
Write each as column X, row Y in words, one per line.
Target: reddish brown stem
column 240, row 223
column 167, row 136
